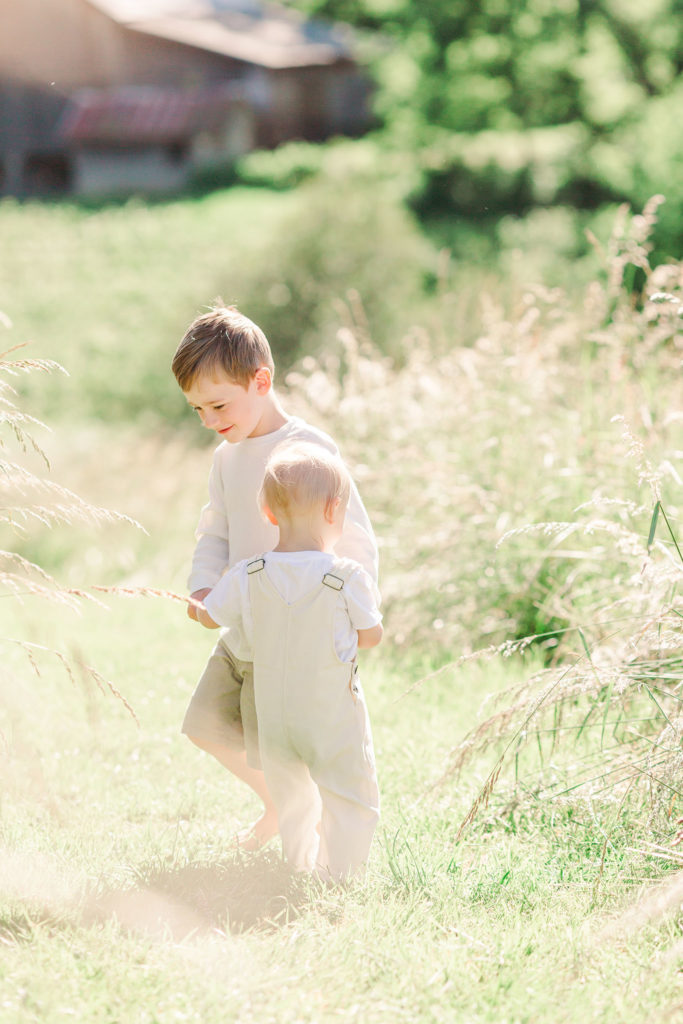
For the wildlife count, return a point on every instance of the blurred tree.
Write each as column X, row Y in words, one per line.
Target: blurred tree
column 459, row 67
column 491, row 64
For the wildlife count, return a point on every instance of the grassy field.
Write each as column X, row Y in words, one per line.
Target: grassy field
column 525, row 488
column 122, row 899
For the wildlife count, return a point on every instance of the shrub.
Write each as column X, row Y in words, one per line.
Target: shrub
column 346, row 238
column 282, row 168
column 656, row 147
column 497, row 172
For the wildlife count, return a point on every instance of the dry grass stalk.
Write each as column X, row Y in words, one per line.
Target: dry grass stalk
column 615, row 685
column 168, row 595
column 66, row 507
column 20, row 577
column 104, row 685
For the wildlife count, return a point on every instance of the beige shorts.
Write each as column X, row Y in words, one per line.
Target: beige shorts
column 222, row 708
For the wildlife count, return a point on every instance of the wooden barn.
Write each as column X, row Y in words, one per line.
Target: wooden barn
column 113, row 96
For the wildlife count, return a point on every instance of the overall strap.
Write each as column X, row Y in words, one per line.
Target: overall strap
column 256, row 565
column 339, row 575
column 332, row 581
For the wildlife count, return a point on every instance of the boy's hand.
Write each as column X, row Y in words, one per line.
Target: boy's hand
column 198, row 595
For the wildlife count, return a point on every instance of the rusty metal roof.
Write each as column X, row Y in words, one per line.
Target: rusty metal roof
column 146, row 113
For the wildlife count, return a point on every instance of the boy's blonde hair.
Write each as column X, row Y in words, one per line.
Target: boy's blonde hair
column 222, row 339
column 300, row 476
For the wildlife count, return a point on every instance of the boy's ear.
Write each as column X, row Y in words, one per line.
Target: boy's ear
column 269, row 515
column 264, row 380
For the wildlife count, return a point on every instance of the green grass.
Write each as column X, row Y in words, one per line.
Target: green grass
column 109, row 290
column 122, row 899
column 506, row 498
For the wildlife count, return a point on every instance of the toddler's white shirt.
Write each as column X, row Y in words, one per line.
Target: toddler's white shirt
column 293, row 574
column 232, row 527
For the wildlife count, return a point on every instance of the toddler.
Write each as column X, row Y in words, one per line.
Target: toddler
column 302, row 613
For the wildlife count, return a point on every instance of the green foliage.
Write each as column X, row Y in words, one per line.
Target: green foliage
column 531, row 64
column 285, row 167
column 532, row 103
column 654, row 142
column 111, row 289
column 129, row 279
column 491, row 172
column 345, row 239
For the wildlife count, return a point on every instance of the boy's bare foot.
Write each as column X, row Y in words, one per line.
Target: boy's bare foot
column 258, row 834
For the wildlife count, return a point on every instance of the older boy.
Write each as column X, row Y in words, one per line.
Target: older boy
column 225, row 368
column 304, row 613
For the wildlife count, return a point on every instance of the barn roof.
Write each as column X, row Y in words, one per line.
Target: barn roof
column 257, row 33
column 148, row 114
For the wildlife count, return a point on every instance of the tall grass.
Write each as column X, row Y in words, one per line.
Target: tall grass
column 465, row 444
column 29, row 499
column 527, row 494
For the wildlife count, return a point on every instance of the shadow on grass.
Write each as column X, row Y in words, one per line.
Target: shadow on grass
column 236, row 894
column 241, row 893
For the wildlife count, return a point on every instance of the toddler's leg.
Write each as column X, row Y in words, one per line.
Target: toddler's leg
column 348, row 823
column 344, row 771
column 298, row 809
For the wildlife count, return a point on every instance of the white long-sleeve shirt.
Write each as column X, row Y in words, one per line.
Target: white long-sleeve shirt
column 231, row 525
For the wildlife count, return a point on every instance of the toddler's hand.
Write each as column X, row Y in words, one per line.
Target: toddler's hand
column 198, row 595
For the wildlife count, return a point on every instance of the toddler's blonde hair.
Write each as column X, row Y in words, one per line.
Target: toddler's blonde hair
column 300, row 476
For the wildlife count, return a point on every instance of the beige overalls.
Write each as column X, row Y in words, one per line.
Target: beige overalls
column 314, row 731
